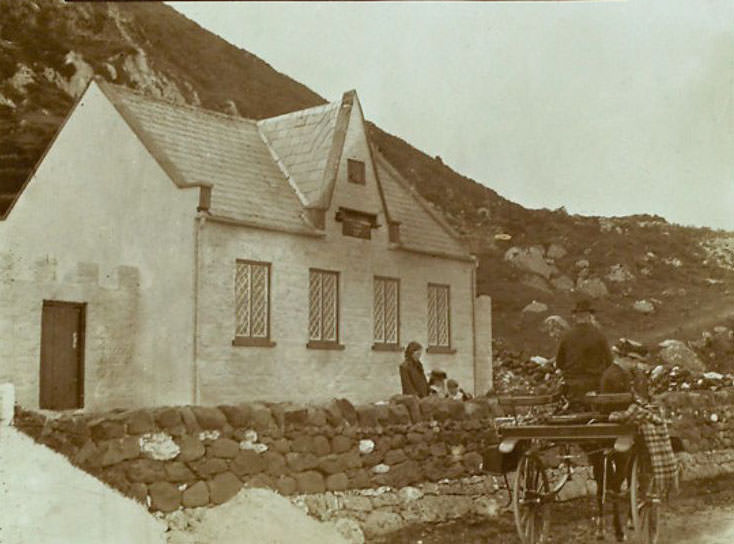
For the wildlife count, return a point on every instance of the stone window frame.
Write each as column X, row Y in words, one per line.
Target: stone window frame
column 380, row 343
column 356, row 171
column 434, row 344
column 249, row 339
column 318, row 341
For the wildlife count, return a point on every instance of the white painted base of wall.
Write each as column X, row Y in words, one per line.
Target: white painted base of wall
column 46, row 500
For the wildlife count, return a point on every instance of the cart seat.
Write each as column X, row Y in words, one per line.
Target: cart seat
column 512, row 401
column 608, row 402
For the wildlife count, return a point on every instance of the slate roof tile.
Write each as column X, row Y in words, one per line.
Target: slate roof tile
column 223, row 150
column 418, row 228
column 235, row 155
column 302, row 140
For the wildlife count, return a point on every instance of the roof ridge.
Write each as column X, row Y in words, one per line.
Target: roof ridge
column 335, row 103
column 199, row 109
column 279, row 162
column 336, row 149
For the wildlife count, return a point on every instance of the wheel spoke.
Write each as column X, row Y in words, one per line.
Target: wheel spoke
column 531, row 485
column 529, row 525
column 644, row 506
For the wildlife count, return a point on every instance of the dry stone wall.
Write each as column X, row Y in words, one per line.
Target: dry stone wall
column 703, row 420
column 351, row 460
column 196, row 456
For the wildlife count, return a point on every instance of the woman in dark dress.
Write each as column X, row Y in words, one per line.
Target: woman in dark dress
column 412, row 375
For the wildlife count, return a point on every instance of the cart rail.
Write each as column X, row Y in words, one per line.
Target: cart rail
column 591, row 431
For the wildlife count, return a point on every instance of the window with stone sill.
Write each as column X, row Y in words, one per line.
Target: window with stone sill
column 252, row 304
column 439, row 319
column 386, row 310
column 323, row 309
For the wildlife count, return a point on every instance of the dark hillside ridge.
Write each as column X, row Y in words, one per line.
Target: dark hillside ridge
column 49, row 49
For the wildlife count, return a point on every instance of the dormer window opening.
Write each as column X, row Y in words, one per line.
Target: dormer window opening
column 356, row 171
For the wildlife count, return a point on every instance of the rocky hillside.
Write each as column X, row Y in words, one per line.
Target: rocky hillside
column 649, row 279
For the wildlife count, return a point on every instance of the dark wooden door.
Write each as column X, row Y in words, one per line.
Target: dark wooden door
column 62, row 355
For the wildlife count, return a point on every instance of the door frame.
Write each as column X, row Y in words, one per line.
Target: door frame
column 82, row 326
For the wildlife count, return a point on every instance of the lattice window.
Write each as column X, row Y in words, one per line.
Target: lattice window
column 439, row 325
column 386, row 310
column 323, row 306
column 252, row 300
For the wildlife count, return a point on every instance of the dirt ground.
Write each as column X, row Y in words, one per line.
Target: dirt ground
column 254, row 516
column 702, row 513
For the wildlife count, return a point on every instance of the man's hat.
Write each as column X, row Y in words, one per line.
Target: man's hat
column 583, row 305
column 438, row 374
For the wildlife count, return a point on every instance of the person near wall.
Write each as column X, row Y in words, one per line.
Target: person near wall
column 437, row 384
column 617, row 378
column 625, row 375
column 583, row 355
column 455, row 392
column 412, row 375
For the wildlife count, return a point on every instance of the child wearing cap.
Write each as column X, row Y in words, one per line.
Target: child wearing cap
column 455, row 392
column 437, row 383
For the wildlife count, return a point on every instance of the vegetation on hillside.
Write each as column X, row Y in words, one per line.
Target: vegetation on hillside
column 46, row 44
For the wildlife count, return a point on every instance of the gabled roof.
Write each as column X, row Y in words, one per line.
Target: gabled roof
column 265, row 173
column 196, row 146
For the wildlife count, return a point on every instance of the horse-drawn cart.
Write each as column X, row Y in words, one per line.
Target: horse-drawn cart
column 543, row 451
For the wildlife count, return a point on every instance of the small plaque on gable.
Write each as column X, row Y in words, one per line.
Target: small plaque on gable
column 357, row 227
column 356, row 224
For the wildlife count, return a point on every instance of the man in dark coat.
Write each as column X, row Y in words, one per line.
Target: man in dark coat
column 412, row 375
column 616, row 379
column 583, row 354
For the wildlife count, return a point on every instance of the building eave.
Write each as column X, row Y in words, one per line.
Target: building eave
column 438, row 254
column 253, row 224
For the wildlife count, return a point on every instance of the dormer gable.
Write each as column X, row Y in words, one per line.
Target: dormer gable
column 326, row 151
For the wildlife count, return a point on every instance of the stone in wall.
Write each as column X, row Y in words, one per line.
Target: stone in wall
column 164, row 496
column 195, row 495
column 223, row 487
column 158, row 446
column 191, row 449
column 379, row 523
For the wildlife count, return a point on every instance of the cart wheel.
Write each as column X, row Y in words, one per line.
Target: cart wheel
column 644, row 504
column 622, row 498
column 530, row 500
